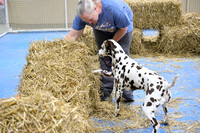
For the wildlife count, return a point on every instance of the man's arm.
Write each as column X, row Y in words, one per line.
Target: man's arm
column 120, row 33
column 74, row 34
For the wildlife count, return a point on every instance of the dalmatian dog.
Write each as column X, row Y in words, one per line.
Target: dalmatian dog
column 130, row 75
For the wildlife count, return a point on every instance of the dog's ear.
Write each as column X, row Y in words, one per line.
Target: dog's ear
column 107, row 44
column 110, row 45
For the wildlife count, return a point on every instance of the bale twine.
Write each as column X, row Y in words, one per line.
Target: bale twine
column 154, row 14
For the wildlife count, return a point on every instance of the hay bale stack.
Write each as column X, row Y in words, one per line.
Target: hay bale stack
column 182, row 39
column 154, row 14
column 62, row 69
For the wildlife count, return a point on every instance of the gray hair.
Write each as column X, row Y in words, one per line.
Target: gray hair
column 86, row 6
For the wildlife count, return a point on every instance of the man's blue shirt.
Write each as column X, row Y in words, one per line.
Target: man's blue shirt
column 115, row 14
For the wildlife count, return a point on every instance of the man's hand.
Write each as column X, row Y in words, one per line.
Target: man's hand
column 74, row 34
column 120, row 33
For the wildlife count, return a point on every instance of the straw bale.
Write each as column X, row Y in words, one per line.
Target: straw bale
column 190, row 19
column 154, row 14
column 62, row 63
column 64, row 69
column 89, row 39
column 136, row 44
column 182, row 39
column 41, row 112
column 143, row 45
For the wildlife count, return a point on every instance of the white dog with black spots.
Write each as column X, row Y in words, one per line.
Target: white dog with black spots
column 130, row 75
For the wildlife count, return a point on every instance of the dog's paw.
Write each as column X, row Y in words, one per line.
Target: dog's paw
column 97, row 71
column 164, row 123
column 115, row 114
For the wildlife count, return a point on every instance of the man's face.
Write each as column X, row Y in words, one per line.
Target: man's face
column 90, row 18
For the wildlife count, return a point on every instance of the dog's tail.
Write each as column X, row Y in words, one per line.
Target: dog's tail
column 173, row 82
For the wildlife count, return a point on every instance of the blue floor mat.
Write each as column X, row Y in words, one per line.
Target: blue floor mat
column 13, row 51
column 148, row 32
column 14, row 48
